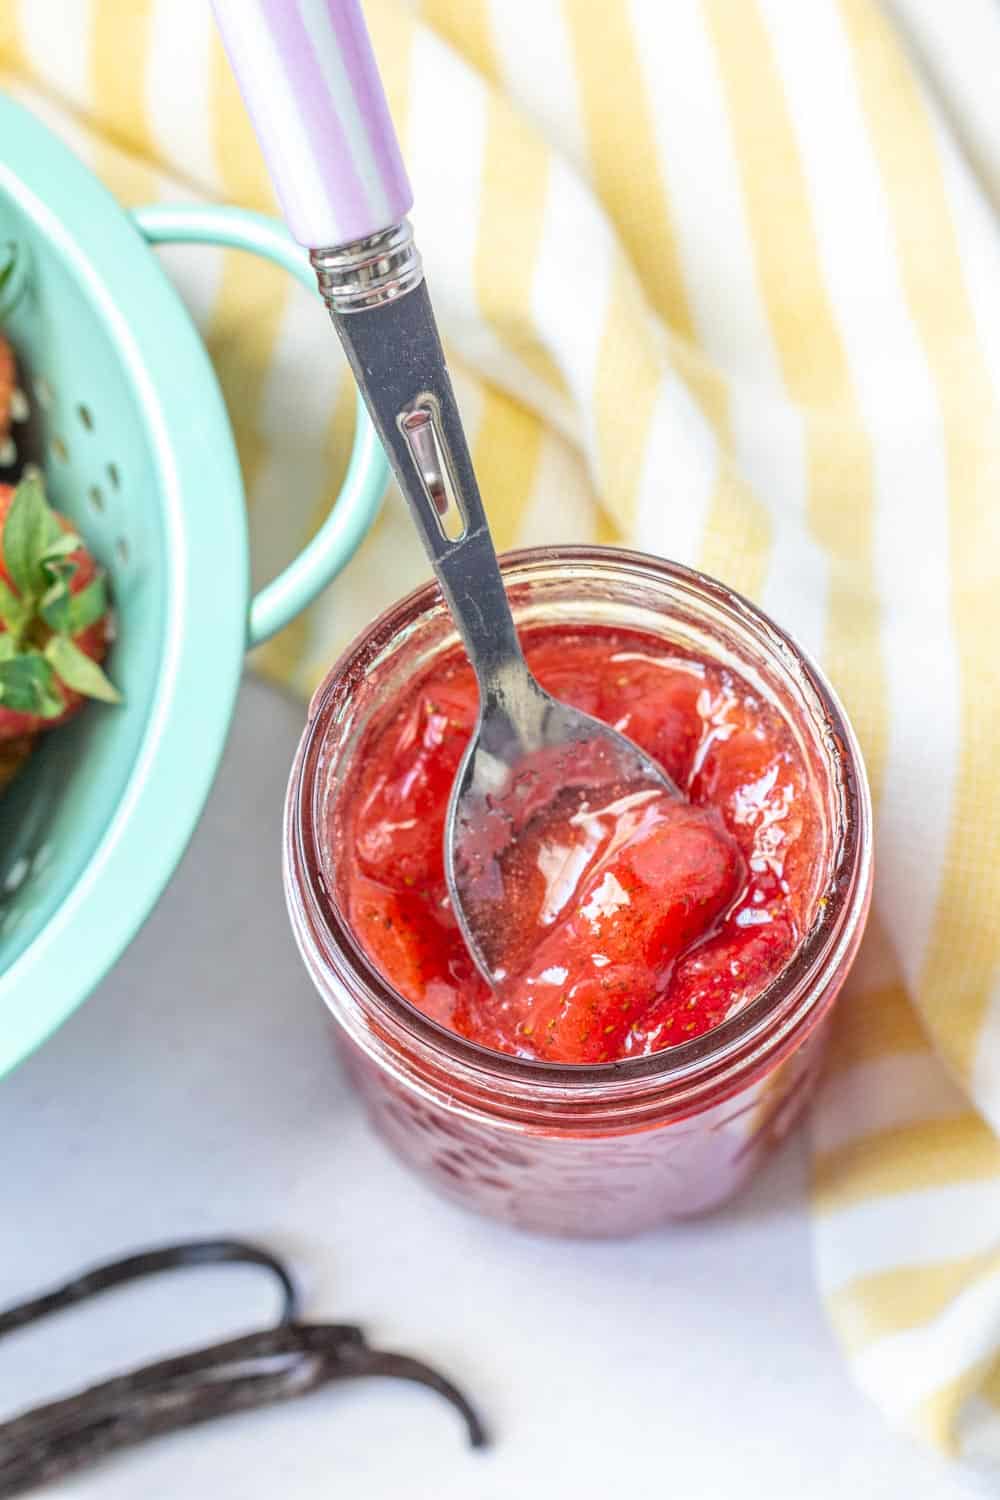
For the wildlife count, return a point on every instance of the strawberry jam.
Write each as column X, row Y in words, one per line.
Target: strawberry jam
column 639, row 919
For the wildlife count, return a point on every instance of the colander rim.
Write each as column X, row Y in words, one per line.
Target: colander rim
column 206, row 605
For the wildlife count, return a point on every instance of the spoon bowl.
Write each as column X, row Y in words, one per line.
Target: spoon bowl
column 532, row 758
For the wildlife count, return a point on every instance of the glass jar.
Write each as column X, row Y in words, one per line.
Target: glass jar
column 612, row 1148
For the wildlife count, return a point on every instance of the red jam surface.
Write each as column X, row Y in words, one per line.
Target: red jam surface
column 639, row 921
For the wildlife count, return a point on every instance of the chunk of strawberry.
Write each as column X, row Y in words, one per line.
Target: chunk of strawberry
column 754, row 774
column 715, row 980
column 654, row 700
column 398, row 929
column 601, row 968
column 412, row 938
column 403, row 794
column 557, row 667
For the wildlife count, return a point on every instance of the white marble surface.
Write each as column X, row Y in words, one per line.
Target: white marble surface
column 195, row 1093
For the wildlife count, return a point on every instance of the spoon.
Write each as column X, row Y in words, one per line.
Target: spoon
column 311, row 84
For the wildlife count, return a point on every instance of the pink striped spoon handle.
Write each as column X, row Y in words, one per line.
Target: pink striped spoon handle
column 307, row 74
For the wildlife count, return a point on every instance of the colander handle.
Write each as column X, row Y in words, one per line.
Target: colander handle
column 367, row 472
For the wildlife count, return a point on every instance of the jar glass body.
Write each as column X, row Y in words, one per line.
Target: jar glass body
column 616, row 1147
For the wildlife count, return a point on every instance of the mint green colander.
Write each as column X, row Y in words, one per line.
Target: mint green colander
column 137, row 449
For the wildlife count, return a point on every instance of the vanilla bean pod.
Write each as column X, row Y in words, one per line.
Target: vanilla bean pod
column 45, row 1454
column 239, row 1374
column 177, row 1257
column 215, row 1363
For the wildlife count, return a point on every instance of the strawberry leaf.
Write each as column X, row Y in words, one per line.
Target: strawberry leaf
column 8, row 646
column 31, row 537
column 55, row 608
column 78, row 671
column 10, row 256
column 28, row 686
column 57, row 569
column 7, row 268
column 60, row 544
column 14, row 613
column 88, row 606
column 55, row 605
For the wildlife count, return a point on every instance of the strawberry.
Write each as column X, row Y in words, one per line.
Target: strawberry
column 13, row 754
column 716, row 979
column 639, row 909
column 651, row 696
column 400, row 924
column 653, row 699
column 558, row 671
column 403, row 795
column 411, row 935
column 53, row 616
column 754, row 774
column 8, row 382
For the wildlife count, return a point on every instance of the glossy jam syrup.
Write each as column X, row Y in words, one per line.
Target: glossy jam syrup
column 641, row 920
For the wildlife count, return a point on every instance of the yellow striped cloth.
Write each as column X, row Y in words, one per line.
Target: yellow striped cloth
column 720, row 278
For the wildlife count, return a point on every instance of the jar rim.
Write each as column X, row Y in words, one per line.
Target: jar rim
column 766, row 1021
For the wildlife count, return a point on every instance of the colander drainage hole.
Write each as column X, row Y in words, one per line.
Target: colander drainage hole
column 121, row 547
column 86, row 417
column 59, row 449
column 114, row 476
column 96, row 497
